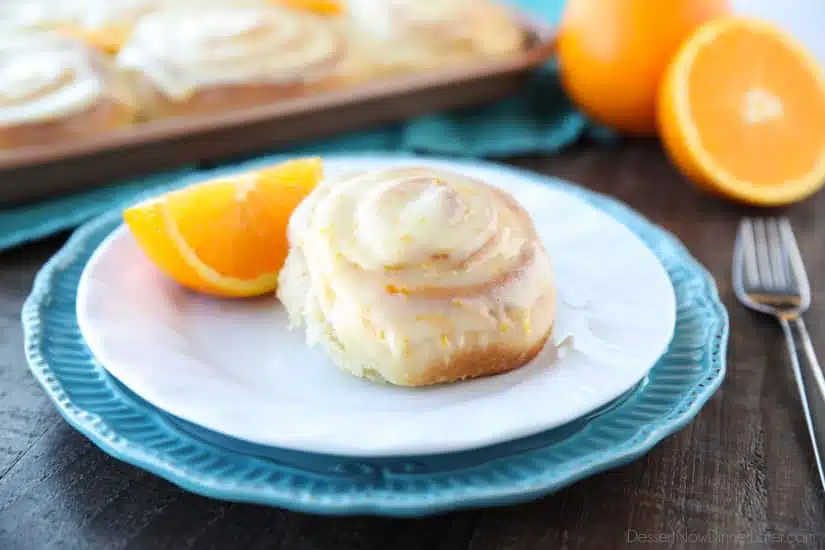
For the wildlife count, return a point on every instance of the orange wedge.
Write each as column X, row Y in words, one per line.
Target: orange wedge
column 742, row 113
column 225, row 237
column 322, row 7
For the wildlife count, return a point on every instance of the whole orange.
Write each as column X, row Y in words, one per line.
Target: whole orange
column 613, row 53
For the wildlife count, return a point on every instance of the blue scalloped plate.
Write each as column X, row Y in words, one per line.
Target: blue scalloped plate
column 205, row 462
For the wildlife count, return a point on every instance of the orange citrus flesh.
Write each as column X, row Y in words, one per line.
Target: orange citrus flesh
column 109, row 40
column 742, row 113
column 225, row 237
column 322, row 7
column 612, row 54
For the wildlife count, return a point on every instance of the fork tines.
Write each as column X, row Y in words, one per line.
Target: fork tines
column 771, row 260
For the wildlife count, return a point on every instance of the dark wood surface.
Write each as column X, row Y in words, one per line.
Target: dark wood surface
column 741, row 475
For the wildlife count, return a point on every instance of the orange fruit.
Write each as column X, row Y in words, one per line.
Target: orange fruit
column 742, row 113
column 612, row 54
column 225, row 237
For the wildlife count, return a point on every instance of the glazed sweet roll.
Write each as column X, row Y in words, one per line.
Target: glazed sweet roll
column 409, row 35
column 416, row 276
column 215, row 58
column 105, row 24
column 54, row 89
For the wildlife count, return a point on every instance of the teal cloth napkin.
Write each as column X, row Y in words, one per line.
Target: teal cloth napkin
column 538, row 119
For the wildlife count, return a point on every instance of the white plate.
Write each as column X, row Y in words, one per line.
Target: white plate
column 235, row 368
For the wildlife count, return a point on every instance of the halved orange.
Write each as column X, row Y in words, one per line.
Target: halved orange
column 225, row 237
column 742, row 112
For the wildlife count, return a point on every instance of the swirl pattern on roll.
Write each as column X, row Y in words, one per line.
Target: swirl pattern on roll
column 415, row 264
column 182, row 51
column 44, row 77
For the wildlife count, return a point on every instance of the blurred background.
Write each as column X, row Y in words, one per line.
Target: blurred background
column 602, row 76
column 804, row 18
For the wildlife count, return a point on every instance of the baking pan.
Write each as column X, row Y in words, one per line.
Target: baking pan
column 33, row 173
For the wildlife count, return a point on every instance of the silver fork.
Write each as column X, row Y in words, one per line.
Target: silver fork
column 769, row 276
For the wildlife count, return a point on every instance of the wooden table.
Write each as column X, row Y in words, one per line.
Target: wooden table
column 741, row 475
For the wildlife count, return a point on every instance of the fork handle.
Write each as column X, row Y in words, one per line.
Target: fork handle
column 811, row 384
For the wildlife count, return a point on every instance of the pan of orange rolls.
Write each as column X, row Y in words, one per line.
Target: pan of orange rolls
column 93, row 91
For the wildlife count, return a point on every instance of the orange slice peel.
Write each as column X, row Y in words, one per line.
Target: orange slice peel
column 225, row 237
column 742, row 113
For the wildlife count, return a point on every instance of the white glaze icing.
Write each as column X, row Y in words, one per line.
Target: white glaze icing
column 427, row 12
column 44, row 77
column 182, row 51
column 105, row 13
column 428, row 33
column 389, row 18
column 414, row 263
column 35, row 14
column 92, row 14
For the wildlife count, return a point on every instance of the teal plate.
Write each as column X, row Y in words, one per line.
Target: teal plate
column 204, row 462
